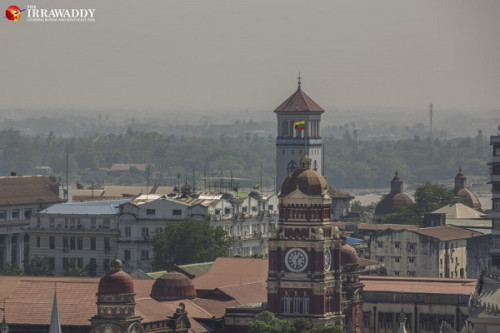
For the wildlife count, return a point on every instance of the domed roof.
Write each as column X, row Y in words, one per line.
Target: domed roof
column 308, row 181
column 173, row 285
column 392, row 202
column 116, row 281
column 395, row 200
column 348, row 255
column 468, row 197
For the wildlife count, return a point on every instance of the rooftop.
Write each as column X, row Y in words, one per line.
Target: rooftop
column 23, row 190
column 447, row 232
column 299, row 101
column 108, row 207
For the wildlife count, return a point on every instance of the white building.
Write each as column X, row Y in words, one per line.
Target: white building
column 431, row 252
column 20, row 198
column 84, row 234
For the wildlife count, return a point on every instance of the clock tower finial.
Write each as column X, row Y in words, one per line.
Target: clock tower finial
column 299, row 78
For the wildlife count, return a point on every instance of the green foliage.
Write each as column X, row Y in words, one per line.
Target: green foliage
column 186, row 242
column 37, row 266
column 403, row 215
column 366, row 211
column 74, row 270
column 266, row 322
column 429, row 197
column 91, row 268
column 11, row 269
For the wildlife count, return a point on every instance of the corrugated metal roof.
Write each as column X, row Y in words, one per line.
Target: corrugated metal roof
column 89, row 208
column 447, row 232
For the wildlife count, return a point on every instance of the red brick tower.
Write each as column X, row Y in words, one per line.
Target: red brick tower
column 304, row 278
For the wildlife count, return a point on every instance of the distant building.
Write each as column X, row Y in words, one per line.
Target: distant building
column 443, row 251
column 392, row 202
column 20, row 198
column 465, row 195
column 495, row 211
column 126, row 167
column 81, row 234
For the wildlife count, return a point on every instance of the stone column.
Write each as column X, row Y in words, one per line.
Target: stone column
column 7, row 249
column 20, row 251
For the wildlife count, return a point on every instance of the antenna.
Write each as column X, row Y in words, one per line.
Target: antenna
column 430, row 119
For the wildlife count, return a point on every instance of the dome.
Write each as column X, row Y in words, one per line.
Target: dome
column 395, row 200
column 308, row 181
column 173, row 285
column 116, row 281
column 392, row 202
column 468, row 198
column 348, row 255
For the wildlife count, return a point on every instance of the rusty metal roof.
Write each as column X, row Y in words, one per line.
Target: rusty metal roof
column 24, row 190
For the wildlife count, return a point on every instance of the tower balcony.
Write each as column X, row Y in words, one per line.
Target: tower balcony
column 298, row 141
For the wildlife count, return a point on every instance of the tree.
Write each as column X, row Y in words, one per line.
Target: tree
column 11, row 269
column 37, row 266
column 301, row 325
column 328, row 329
column 365, row 211
column 187, row 242
column 74, row 270
column 266, row 322
column 429, row 197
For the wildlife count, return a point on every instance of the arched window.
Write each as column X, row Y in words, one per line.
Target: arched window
column 315, row 166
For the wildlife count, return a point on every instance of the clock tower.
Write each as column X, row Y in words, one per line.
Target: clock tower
column 294, row 141
column 304, row 278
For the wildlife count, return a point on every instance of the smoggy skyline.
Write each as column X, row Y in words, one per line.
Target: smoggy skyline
column 233, row 54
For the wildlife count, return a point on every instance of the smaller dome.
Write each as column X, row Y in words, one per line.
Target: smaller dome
column 173, row 285
column 116, row 281
column 348, row 255
column 468, row 197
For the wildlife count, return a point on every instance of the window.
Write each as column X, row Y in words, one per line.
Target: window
column 254, row 209
column 106, row 223
column 3, row 214
column 380, row 245
column 412, row 273
column 244, row 209
column 52, row 222
column 380, row 259
column 150, row 211
column 270, row 207
column 178, row 212
column 52, row 242
column 79, row 242
column 92, row 267
column 411, row 260
column 27, row 213
column 37, row 241
column 397, row 245
column 441, row 262
column 411, row 246
column 396, row 273
column 145, row 233
column 126, row 254
column 92, row 243
column 79, row 262
column 107, row 246
column 105, row 265
column 72, row 223
column 496, row 204
column 227, row 211
column 65, row 244
column 52, row 263
column 65, row 263
column 72, row 243
column 396, row 259
column 128, row 231
column 451, row 260
column 92, row 223
column 144, row 255
column 66, row 223
column 15, row 214
column 462, row 273
column 305, row 304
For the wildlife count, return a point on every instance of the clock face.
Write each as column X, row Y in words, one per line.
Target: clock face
column 296, row 260
column 328, row 259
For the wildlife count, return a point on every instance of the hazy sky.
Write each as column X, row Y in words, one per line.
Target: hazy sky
column 214, row 54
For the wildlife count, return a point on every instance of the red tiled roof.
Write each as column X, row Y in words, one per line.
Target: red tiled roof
column 447, row 232
column 418, row 285
column 299, row 102
column 232, row 271
column 247, row 293
column 22, row 190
